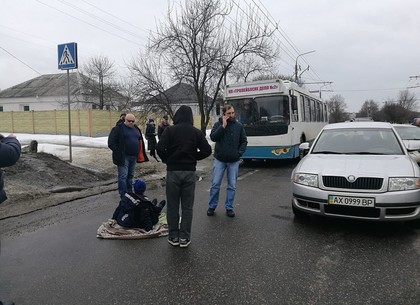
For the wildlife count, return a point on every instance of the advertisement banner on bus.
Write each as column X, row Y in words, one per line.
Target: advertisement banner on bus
column 257, row 89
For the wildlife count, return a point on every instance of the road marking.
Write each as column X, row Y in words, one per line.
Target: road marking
column 248, row 174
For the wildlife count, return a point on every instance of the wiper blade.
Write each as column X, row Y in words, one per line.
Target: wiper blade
column 328, row 152
column 364, row 153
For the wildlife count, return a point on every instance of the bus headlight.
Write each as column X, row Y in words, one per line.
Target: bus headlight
column 306, row 179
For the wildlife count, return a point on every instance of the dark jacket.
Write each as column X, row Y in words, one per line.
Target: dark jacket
column 161, row 129
column 231, row 141
column 151, row 136
column 181, row 144
column 116, row 144
column 9, row 154
column 136, row 211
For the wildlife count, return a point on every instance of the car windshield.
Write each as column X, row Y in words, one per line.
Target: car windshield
column 358, row 141
column 408, row 132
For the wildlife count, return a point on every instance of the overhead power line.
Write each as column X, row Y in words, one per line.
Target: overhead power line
column 20, row 60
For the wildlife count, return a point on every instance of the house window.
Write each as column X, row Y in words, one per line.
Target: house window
column 1, row 108
column 26, row 108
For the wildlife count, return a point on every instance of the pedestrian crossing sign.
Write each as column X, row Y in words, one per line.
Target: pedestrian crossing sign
column 67, row 56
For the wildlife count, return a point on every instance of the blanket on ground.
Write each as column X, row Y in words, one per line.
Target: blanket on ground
column 111, row 230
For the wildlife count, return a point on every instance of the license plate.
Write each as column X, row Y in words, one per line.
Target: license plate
column 352, row 201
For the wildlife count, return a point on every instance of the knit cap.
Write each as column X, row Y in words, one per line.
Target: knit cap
column 139, row 186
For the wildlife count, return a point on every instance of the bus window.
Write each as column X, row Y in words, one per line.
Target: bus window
column 295, row 115
column 302, row 107
column 307, row 109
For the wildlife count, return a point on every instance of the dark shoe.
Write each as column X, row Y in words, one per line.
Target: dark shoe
column 161, row 204
column 184, row 242
column 174, row 241
column 210, row 212
column 230, row 213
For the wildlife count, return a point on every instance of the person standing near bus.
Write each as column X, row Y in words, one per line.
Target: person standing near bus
column 180, row 146
column 231, row 141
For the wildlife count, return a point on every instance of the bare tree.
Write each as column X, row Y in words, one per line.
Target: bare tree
column 151, row 81
column 407, row 100
column 370, row 109
column 99, row 86
column 336, row 109
column 200, row 42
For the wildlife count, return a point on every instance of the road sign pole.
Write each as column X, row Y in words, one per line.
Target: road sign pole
column 68, row 97
column 67, row 59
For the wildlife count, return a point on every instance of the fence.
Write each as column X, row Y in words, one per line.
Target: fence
column 84, row 122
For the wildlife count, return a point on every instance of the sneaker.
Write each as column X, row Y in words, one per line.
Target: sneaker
column 230, row 213
column 174, row 241
column 210, row 212
column 184, row 242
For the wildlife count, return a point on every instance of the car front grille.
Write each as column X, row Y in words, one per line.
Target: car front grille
column 361, row 183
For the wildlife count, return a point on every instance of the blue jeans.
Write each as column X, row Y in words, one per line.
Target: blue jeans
column 126, row 174
column 219, row 169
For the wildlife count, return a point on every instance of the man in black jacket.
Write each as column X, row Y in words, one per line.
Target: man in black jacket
column 126, row 142
column 10, row 150
column 9, row 154
column 180, row 146
column 231, row 143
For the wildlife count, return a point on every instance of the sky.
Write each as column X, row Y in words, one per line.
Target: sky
column 365, row 49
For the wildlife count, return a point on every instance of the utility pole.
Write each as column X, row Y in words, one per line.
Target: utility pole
column 296, row 64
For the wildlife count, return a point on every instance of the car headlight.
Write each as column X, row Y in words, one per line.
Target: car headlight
column 402, row 184
column 306, row 179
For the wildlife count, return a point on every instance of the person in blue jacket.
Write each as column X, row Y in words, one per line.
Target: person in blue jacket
column 231, row 141
column 10, row 150
column 9, row 154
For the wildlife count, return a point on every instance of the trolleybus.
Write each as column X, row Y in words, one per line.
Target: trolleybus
column 277, row 116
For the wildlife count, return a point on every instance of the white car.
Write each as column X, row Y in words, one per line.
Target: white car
column 357, row 170
column 410, row 135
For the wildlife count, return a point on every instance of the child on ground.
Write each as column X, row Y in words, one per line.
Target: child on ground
column 136, row 210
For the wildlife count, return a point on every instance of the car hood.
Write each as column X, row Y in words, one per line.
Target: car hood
column 359, row 165
column 412, row 144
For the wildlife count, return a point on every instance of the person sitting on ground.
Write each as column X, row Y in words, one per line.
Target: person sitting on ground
column 136, row 210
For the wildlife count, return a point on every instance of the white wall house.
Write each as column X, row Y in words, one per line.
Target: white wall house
column 49, row 92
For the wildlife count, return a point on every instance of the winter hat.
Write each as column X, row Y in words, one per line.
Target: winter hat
column 165, row 117
column 139, row 186
column 151, row 120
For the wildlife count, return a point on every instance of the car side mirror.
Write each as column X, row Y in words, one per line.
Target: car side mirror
column 304, row 149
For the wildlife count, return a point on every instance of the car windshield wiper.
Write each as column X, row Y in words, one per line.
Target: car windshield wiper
column 364, row 153
column 328, row 152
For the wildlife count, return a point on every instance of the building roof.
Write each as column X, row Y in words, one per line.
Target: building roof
column 178, row 94
column 44, row 85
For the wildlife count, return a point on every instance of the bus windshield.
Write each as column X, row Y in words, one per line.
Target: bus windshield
column 262, row 110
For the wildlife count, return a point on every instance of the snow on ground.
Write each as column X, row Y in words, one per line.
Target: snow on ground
column 58, row 145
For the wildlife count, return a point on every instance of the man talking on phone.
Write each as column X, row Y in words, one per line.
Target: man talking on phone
column 230, row 138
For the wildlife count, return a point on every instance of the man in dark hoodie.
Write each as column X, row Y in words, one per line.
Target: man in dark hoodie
column 180, row 146
column 231, row 142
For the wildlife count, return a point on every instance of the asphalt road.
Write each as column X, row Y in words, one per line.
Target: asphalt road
column 262, row 256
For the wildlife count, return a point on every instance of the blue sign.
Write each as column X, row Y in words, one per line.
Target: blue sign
column 67, row 56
